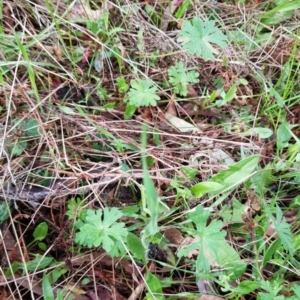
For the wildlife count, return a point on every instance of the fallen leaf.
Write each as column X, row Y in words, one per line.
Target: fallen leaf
column 8, row 21
column 180, row 124
column 191, row 92
column 81, row 10
column 206, row 288
column 171, row 108
column 123, row 53
column 11, row 247
column 174, row 236
column 210, row 297
column 78, row 9
column 57, row 51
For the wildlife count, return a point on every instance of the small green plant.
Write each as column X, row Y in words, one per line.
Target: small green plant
column 182, row 9
column 122, row 85
column 283, row 230
column 142, row 93
column 213, row 248
column 47, row 288
column 25, row 129
column 198, row 36
column 281, row 12
column 40, row 262
column 150, row 198
column 181, row 78
column 75, row 209
column 5, row 208
column 150, row 10
column 39, row 234
column 99, row 228
column 226, row 97
column 225, row 180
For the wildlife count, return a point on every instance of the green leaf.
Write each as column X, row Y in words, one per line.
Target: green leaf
column 4, row 210
column 283, row 230
column 66, row 109
column 263, row 133
column 129, row 111
column 13, row 268
column 190, row 173
column 227, row 97
column 247, row 286
column 229, row 260
column 280, row 13
column 149, row 194
column 56, row 274
column 85, row 281
column 40, row 231
column 283, row 133
column 29, row 64
column 198, row 38
column 277, row 96
column 39, row 263
column 122, row 85
column 202, row 188
column 285, row 6
column 236, row 174
column 17, row 148
column 99, row 228
column 75, row 209
column 212, row 246
column 296, row 290
column 46, row 288
column 233, row 213
column 42, row 246
column 180, row 78
column 154, row 285
column 136, row 247
column 142, row 93
column 230, row 94
column 208, row 235
column 270, row 251
column 283, row 136
column 150, row 10
column 31, row 128
column 182, row 9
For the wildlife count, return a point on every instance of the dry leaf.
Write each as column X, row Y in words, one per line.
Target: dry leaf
column 181, row 125
column 206, row 287
column 174, row 236
column 209, row 297
column 8, row 21
column 123, row 53
column 191, row 92
column 57, row 51
column 81, row 10
column 78, row 10
column 171, row 108
column 271, row 231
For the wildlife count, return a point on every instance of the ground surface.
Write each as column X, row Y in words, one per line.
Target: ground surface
column 149, row 150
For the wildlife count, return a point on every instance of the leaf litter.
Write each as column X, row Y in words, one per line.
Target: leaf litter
column 95, row 133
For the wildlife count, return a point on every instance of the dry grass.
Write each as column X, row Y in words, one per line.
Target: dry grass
column 75, row 139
